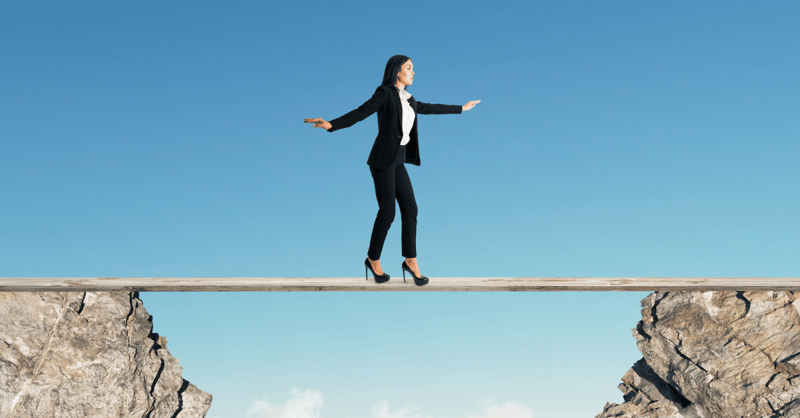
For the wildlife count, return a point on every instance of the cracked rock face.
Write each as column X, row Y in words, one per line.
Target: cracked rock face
column 88, row 354
column 714, row 355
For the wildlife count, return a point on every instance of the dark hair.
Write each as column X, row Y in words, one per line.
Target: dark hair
column 393, row 67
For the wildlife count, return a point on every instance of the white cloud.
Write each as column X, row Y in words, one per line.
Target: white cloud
column 305, row 404
column 381, row 410
column 510, row 409
column 308, row 404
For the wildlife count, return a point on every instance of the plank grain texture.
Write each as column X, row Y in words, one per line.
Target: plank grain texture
column 348, row 284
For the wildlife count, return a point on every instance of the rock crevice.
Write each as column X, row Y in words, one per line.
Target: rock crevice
column 714, row 354
column 81, row 354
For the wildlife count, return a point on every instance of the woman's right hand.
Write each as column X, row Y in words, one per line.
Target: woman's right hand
column 319, row 123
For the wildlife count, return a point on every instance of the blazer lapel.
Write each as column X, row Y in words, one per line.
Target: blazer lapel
column 399, row 105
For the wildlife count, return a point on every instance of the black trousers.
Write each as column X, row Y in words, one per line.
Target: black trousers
column 390, row 184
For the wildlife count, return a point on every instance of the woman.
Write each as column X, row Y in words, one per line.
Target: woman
column 395, row 144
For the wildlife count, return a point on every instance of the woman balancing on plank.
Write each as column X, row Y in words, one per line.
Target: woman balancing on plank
column 395, row 145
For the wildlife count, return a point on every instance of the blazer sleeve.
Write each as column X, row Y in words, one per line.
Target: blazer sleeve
column 369, row 107
column 437, row 109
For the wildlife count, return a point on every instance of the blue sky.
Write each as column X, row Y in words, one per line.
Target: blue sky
column 612, row 139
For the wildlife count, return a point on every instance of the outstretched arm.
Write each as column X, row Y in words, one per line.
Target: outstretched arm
column 369, row 107
column 437, row 109
column 440, row 109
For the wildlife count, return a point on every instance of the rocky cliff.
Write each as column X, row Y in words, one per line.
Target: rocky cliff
column 714, row 355
column 88, row 354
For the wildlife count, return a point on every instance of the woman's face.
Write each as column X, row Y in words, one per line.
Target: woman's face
column 406, row 73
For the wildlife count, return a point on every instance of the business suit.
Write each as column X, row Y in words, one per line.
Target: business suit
column 386, row 162
column 386, row 101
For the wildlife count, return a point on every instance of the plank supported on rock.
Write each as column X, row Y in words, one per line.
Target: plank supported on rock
column 446, row 284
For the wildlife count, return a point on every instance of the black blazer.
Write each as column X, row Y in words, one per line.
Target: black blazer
column 386, row 101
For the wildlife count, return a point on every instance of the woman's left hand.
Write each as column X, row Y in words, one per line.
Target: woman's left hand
column 469, row 105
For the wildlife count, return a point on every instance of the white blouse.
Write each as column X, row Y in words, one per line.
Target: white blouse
column 408, row 115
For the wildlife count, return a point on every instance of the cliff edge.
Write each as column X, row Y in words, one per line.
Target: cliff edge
column 714, row 355
column 88, row 354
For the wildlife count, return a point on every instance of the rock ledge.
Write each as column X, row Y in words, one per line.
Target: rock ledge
column 714, row 355
column 88, row 354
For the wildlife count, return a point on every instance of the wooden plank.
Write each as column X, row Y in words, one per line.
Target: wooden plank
column 446, row 284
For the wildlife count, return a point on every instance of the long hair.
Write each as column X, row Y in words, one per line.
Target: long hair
column 393, row 67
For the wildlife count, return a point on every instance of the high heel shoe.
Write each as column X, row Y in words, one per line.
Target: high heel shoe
column 379, row 278
column 419, row 281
